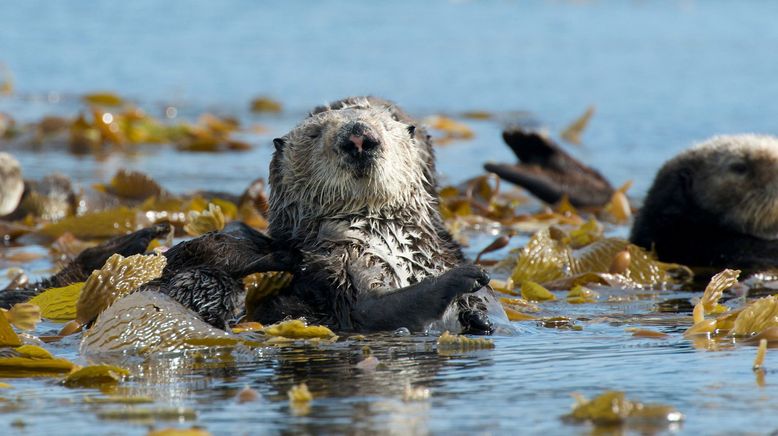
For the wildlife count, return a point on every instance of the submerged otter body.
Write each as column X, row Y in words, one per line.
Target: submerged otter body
column 353, row 189
column 715, row 205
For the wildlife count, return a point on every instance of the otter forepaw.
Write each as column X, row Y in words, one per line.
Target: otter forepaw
column 467, row 278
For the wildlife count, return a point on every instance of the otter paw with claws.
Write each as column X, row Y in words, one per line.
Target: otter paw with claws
column 467, row 278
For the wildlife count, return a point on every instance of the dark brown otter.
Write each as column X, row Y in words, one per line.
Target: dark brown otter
column 353, row 190
column 549, row 173
column 715, row 205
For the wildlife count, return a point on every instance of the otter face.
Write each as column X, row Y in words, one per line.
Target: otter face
column 736, row 178
column 359, row 158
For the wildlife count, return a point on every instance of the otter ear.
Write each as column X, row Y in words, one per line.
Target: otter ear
column 279, row 143
column 412, row 131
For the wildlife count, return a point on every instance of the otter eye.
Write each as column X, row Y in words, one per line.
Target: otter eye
column 279, row 143
column 412, row 131
column 313, row 133
column 738, row 168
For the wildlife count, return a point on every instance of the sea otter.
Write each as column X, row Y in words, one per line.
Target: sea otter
column 715, row 205
column 353, row 190
column 550, row 173
column 354, row 217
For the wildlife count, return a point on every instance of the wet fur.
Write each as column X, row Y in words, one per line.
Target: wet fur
column 715, row 205
column 376, row 255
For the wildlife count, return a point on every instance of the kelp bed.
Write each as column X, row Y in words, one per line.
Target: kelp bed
column 606, row 338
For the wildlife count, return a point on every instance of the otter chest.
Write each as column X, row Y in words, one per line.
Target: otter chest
column 383, row 253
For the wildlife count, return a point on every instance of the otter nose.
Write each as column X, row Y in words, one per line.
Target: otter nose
column 360, row 139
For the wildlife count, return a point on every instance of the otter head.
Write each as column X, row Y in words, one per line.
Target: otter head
column 355, row 156
column 732, row 178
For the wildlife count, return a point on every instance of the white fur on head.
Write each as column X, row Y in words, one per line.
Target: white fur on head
column 311, row 178
column 11, row 183
column 736, row 177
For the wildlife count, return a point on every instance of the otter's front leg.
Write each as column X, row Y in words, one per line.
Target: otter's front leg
column 416, row 305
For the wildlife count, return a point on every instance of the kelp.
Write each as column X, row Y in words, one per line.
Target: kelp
column 298, row 329
column 548, row 258
column 756, row 317
column 24, row 316
column 265, row 105
column 581, row 295
column 449, row 128
column 210, row 220
column 260, row 286
column 98, row 225
column 194, row 431
column 59, row 304
column 118, row 277
column 456, row 343
column 534, row 292
column 572, row 133
column 95, row 376
column 147, row 322
column 612, row 408
column 132, row 185
column 8, row 337
column 32, row 361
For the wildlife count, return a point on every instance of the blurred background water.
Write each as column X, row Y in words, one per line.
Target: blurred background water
column 661, row 74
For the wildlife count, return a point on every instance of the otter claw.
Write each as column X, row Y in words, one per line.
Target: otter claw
column 475, row 322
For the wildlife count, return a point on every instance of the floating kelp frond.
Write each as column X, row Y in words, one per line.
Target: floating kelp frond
column 545, row 259
column 95, row 376
column 581, row 295
column 297, row 329
column 103, row 99
column 98, row 225
column 450, row 129
column 211, row 220
column 613, row 408
column 534, row 292
column 265, row 104
column 618, row 209
column 262, row 285
column 133, row 185
column 23, row 315
column 118, row 277
column 758, row 316
column 172, row 431
column 760, row 355
column 32, row 361
column 119, row 399
column 146, row 322
column 572, row 133
column 59, row 304
column 149, row 414
column 450, row 342
column 716, row 287
column 8, row 337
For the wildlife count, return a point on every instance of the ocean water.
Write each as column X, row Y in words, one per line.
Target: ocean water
column 661, row 75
